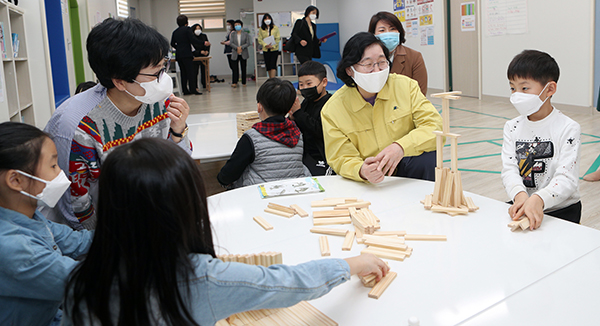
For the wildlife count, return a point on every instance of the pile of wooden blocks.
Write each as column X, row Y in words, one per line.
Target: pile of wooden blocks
column 522, row 223
column 285, row 211
column 378, row 287
column 302, row 314
column 245, row 121
column 265, row 259
column 345, row 211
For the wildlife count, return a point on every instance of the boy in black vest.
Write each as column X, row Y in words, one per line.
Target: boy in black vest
column 272, row 150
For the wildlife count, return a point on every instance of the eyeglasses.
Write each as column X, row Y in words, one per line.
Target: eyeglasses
column 165, row 68
column 369, row 67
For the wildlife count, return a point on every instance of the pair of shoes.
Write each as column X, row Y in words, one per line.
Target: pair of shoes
column 234, row 85
column 187, row 93
column 196, row 93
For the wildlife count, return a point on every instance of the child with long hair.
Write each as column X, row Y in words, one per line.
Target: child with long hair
column 153, row 262
column 36, row 255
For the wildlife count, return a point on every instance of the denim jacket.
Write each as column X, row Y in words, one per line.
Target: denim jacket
column 220, row 289
column 36, row 256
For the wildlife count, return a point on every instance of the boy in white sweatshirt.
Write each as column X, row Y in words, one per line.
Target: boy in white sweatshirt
column 540, row 153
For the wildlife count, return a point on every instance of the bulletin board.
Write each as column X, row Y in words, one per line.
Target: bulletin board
column 280, row 19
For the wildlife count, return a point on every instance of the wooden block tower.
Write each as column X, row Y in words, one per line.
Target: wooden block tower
column 448, row 194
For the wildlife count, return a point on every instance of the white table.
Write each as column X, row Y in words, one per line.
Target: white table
column 442, row 283
column 213, row 136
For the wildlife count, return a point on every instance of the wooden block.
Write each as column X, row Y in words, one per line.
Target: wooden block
column 470, row 204
column 326, row 203
column 390, row 238
column 524, row 224
column 282, row 208
column 369, row 213
column 345, row 199
column 383, row 233
column 448, row 189
column 278, row 212
column 359, row 236
column 330, row 231
column 299, row 211
column 445, row 94
column 439, row 155
column 385, row 244
column 457, row 199
column 382, row 285
column 424, row 237
column 454, row 153
column 446, row 134
column 313, row 316
column 324, row 244
column 348, row 241
column 331, row 221
column 279, row 258
column 427, row 202
column 369, row 280
column 383, row 253
column 358, row 204
column 514, row 225
column 331, row 213
column 450, row 209
column 262, row 222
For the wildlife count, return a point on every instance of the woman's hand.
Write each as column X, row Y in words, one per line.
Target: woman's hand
column 367, row 264
column 206, row 43
column 303, row 43
column 268, row 46
column 239, row 50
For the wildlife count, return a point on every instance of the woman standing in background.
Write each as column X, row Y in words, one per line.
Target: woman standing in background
column 227, row 42
column 240, row 41
column 270, row 50
column 304, row 35
column 203, row 51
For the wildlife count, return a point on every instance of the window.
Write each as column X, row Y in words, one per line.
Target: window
column 210, row 12
column 122, row 8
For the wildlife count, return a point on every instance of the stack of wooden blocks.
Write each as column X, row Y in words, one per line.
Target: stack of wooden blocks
column 302, row 314
column 265, row 259
column 245, row 121
column 522, row 223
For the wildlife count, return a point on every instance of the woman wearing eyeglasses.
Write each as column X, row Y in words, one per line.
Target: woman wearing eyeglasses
column 378, row 123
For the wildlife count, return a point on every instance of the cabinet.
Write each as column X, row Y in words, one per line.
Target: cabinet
column 16, row 102
column 287, row 64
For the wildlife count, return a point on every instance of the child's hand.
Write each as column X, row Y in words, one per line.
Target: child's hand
column 295, row 106
column 369, row 171
column 533, row 209
column 518, row 202
column 367, row 264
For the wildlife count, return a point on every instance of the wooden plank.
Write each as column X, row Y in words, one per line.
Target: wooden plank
column 454, row 153
column 278, row 212
column 445, row 115
column 441, row 95
column 427, row 203
column 330, row 231
column 359, row 236
column 262, row 222
column 381, row 253
column 324, row 244
column 439, row 154
column 448, row 189
column 382, row 285
column 424, row 237
column 389, row 238
column 386, row 244
column 446, row 134
column 331, row 221
column 524, row 224
column 514, row 225
column 346, row 199
column 331, row 213
column 358, row 204
column 281, row 208
column 299, row 211
column 471, row 205
column 442, row 209
column 348, row 241
column 457, row 199
column 369, row 280
column 326, row 203
column 383, row 233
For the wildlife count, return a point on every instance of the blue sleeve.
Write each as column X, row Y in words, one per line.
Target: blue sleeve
column 257, row 287
column 72, row 243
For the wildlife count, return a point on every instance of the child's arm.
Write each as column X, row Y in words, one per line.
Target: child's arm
column 242, row 156
column 309, row 124
column 72, row 243
column 511, row 178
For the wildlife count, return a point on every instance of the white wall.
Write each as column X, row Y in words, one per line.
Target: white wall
column 565, row 31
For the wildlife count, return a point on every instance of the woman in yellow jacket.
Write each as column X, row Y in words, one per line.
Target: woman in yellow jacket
column 378, row 121
column 270, row 49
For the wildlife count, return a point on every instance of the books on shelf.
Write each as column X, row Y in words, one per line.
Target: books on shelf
column 2, row 38
column 15, row 44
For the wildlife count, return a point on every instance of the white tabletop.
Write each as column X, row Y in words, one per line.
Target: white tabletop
column 213, row 136
column 442, row 283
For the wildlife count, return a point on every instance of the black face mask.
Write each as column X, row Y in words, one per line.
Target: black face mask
column 310, row 93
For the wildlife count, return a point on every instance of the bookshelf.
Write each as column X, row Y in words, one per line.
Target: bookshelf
column 16, row 100
column 287, row 65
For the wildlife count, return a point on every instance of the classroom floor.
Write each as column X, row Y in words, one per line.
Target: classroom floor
column 480, row 123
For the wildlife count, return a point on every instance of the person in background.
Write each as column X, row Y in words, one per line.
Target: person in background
column 378, row 121
column 304, row 35
column 203, row 51
column 272, row 149
column 133, row 100
column 153, row 260
column 227, row 42
column 270, row 50
column 182, row 40
column 240, row 41
column 36, row 255
column 82, row 87
column 405, row 61
column 540, row 151
column 312, row 81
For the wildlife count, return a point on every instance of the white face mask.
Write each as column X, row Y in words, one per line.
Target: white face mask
column 267, row 22
column 228, row 28
column 372, row 82
column 197, row 32
column 52, row 192
column 527, row 104
column 155, row 91
column 312, row 17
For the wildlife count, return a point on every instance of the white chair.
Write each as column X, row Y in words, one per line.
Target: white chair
column 176, row 76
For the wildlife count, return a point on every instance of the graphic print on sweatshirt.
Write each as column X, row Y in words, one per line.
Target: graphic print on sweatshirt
column 531, row 155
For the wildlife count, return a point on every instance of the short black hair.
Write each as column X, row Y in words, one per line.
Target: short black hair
column 312, row 68
column 121, row 48
column 533, row 64
column 276, row 96
column 238, row 22
column 353, row 53
column 82, row 87
column 309, row 9
column 391, row 19
column 182, row 20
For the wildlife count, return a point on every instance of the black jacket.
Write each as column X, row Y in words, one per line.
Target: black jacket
column 182, row 40
column 301, row 32
column 202, row 38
